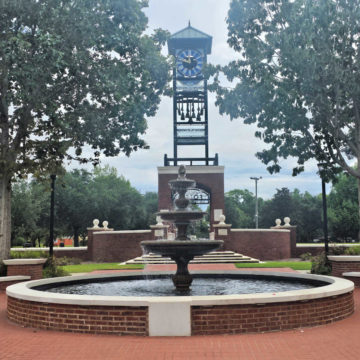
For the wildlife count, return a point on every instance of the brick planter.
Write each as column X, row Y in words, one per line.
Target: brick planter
column 6, row 281
column 344, row 263
column 30, row 267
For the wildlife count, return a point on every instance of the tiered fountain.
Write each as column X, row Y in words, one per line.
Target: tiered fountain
column 182, row 250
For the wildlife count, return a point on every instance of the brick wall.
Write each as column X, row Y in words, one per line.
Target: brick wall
column 234, row 319
column 263, row 245
column 5, row 284
column 124, row 320
column 33, row 270
column 339, row 267
column 118, row 246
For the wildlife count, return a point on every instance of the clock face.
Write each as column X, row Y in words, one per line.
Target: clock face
column 189, row 63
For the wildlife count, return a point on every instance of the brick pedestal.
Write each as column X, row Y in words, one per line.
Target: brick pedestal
column 30, row 267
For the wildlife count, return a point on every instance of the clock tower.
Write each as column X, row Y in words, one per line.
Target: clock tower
column 190, row 48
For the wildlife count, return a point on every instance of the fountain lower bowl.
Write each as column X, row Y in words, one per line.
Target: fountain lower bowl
column 184, row 315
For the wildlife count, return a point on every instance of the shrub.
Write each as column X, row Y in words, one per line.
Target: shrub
column 353, row 250
column 320, row 265
column 337, row 250
column 33, row 254
column 62, row 261
column 51, row 269
column 305, row 256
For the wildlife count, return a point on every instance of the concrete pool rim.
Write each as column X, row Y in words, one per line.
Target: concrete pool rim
column 179, row 309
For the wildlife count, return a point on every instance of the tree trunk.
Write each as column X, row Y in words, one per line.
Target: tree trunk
column 358, row 184
column 5, row 218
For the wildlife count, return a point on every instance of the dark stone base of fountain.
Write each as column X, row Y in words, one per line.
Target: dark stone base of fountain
column 182, row 282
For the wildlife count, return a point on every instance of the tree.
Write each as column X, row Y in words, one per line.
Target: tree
column 73, row 73
column 240, row 208
column 298, row 79
column 342, row 206
column 75, row 203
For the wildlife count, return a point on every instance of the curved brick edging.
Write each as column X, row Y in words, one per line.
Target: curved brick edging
column 180, row 315
column 236, row 319
column 119, row 320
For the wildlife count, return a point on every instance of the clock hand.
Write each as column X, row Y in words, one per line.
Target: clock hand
column 187, row 61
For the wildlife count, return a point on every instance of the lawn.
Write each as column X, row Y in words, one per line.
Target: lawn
column 88, row 267
column 295, row 265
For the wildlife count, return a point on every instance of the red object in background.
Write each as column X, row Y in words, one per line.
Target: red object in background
column 67, row 242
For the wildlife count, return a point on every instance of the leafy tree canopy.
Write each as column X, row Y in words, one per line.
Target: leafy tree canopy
column 297, row 77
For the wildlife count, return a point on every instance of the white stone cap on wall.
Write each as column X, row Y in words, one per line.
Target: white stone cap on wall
column 344, row 258
column 261, row 230
column 15, row 278
column 24, row 261
column 55, row 248
column 122, row 232
column 193, row 169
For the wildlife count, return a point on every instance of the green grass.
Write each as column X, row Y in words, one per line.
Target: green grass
column 88, row 267
column 295, row 265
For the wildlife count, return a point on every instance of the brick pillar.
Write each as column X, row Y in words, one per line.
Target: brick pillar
column 90, row 236
column 293, row 234
column 222, row 231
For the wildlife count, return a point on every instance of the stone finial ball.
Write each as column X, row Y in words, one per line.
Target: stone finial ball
column 287, row 221
column 96, row 223
column 278, row 222
column 222, row 219
column 105, row 224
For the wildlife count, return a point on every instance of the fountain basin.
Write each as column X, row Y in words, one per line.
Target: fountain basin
column 180, row 315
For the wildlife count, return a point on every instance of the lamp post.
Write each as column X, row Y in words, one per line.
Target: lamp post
column 52, row 205
column 256, row 201
column 323, row 191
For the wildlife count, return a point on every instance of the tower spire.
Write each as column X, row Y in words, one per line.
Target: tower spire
column 189, row 23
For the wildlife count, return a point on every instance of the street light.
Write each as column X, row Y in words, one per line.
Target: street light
column 256, row 201
column 322, row 168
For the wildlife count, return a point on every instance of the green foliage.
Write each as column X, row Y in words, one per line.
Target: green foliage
column 80, row 197
column 320, row 265
column 52, row 269
column 296, row 78
column 343, row 208
column 62, row 261
column 306, row 256
column 240, row 208
column 28, row 254
column 353, row 250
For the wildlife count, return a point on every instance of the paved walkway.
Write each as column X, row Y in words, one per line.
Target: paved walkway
column 338, row 341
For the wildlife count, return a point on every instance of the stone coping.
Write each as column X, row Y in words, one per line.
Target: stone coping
column 10, row 262
column 65, row 248
column 322, row 245
column 344, row 258
column 352, row 274
column 336, row 286
column 15, row 278
column 261, row 230
column 122, row 232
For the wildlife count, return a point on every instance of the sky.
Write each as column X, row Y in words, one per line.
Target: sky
column 232, row 140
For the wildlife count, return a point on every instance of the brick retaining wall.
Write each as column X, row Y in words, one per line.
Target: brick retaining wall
column 339, row 267
column 33, row 270
column 234, row 319
column 122, row 320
